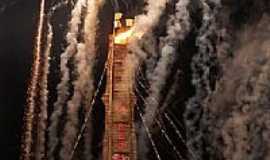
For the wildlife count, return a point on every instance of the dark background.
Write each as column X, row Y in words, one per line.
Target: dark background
column 17, row 31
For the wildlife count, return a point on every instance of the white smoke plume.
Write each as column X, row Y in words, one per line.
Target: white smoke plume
column 70, row 130
column 91, row 24
column 88, row 141
column 177, row 29
column 42, row 123
column 238, row 113
column 145, row 23
column 62, row 91
column 83, row 86
column 28, row 139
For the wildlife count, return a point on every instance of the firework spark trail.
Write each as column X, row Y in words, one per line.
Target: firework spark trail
column 42, row 123
column 169, row 140
column 166, row 115
column 179, row 135
column 163, row 131
column 62, row 88
column 28, row 141
column 150, row 136
column 83, row 86
column 89, row 111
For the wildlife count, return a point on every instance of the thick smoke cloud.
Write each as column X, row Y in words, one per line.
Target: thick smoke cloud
column 236, row 113
column 201, row 65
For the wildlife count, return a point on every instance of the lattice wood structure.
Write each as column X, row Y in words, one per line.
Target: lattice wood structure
column 119, row 139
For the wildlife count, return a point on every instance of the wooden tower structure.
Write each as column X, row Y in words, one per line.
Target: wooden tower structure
column 119, row 138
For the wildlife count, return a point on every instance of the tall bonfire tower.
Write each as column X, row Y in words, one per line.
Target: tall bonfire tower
column 119, row 139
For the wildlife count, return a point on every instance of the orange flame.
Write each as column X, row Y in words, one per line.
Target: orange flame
column 122, row 38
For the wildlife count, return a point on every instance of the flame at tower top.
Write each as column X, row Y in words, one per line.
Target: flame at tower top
column 124, row 29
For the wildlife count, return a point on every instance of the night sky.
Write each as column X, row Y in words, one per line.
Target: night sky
column 18, row 27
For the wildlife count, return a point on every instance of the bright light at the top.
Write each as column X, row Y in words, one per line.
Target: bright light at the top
column 124, row 31
column 122, row 38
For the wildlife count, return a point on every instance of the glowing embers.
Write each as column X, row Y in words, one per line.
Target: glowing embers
column 123, row 38
column 120, row 157
column 124, row 29
column 121, row 138
column 121, row 112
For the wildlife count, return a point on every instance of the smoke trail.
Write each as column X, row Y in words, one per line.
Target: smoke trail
column 42, row 123
column 83, row 86
column 238, row 113
column 73, row 105
column 177, row 29
column 62, row 91
column 144, row 23
column 201, row 65
column 28, row 139
column 91, row 23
